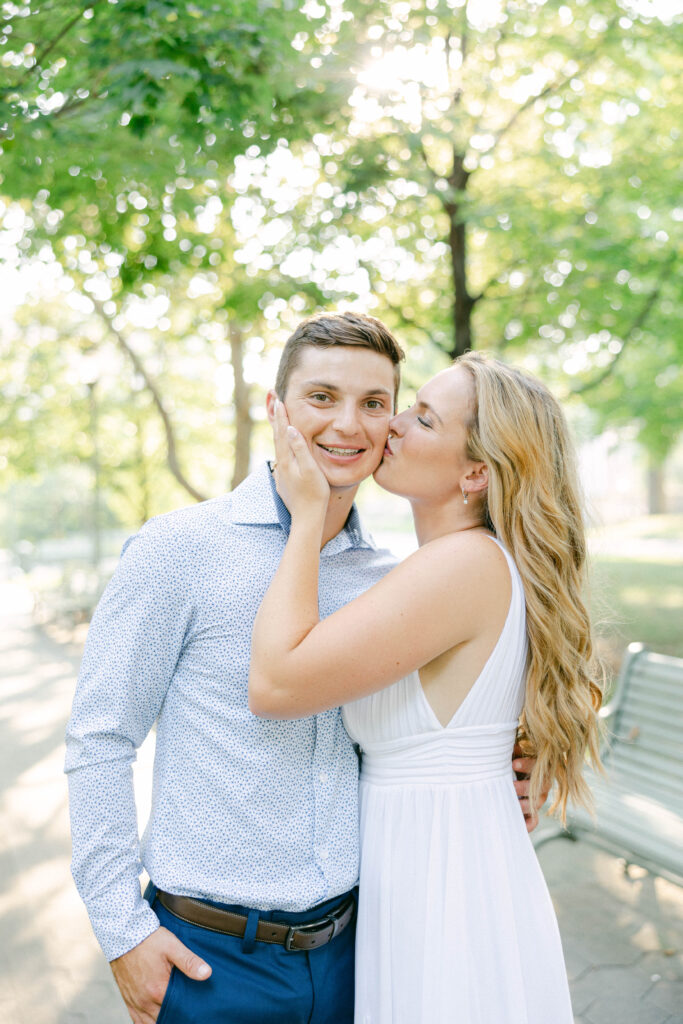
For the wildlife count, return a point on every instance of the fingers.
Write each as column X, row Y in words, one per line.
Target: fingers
column 290, row 448
column 531, row 821
column 523, row 765
column 301, row 456
column 280, row 428
column 530, row 813
column 142, row 974
column 187, row 961
column 522, row 787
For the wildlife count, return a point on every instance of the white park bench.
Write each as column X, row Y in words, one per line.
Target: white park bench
column 639, row 801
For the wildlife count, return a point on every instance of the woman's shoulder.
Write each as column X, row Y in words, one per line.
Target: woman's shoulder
column 477, row 544
column 473, row 556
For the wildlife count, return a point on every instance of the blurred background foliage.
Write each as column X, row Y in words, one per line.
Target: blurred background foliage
column 181, row 183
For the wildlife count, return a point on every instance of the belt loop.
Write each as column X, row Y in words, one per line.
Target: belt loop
column 249, row 938
column 150, row 893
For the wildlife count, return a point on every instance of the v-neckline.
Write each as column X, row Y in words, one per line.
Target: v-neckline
column 416, row 673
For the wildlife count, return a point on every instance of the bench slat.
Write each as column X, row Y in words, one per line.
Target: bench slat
column 639, row 805
column 657, row 787
column 660, row 689
column 637, row 732
column 668, row 770
column 630, row 780
column 652, row 704
column 638, row 826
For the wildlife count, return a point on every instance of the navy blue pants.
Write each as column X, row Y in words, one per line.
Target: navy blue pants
column 256, row 982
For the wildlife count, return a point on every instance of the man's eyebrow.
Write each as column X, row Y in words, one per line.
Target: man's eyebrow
column 430, row 409
column 324, row 386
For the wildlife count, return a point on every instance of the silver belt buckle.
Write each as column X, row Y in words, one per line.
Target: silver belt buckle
column 333, row 918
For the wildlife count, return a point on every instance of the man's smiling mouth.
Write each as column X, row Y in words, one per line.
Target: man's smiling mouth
column 340, row 451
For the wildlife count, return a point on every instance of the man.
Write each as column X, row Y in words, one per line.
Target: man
column 252, row 844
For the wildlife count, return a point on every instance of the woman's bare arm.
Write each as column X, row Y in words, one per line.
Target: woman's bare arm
column 436, row 599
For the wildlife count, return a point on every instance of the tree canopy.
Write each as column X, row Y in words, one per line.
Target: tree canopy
column 185, row 182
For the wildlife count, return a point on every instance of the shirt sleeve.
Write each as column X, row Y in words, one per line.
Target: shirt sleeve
column 134, row 642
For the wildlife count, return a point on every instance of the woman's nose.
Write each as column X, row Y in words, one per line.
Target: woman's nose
column 396, row 424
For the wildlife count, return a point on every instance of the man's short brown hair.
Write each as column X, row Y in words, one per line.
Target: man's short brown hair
column 325, row 330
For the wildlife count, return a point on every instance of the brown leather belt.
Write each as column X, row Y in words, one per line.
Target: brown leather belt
column 300, row 937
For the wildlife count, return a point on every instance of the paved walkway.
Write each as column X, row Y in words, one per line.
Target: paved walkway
column 623, row 935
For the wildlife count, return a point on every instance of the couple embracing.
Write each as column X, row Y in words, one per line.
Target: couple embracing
column 242, row 625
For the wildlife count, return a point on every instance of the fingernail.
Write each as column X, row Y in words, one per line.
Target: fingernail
column 203, row 971
column 517, row 765
column 292, row 432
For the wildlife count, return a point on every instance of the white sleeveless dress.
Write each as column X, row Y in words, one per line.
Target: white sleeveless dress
column 455, row 921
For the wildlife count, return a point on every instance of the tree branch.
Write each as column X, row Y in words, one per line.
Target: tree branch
column 457, row 94
column 494, row 279
column 552, row 87
column 636, row 325
column 410, row 321
column 172, row 456
column 60, row 35
column 433, row 176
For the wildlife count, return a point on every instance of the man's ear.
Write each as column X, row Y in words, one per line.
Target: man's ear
column 477, row 479
column 271, row 399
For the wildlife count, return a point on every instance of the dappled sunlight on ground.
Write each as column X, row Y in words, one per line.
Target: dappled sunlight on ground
column 622, row 933
column 52, row 971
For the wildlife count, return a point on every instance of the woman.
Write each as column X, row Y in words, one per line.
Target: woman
column 483, row 628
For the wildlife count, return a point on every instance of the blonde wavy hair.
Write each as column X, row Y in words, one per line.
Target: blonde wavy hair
column 533, row 504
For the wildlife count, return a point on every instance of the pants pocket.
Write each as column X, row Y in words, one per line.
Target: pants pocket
column 165, row 1010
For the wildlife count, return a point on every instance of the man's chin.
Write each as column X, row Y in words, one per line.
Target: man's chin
column 339, row 483
column 345, row 478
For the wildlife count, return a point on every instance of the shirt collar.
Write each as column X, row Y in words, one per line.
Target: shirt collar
column 253, row 502
column 256, row 501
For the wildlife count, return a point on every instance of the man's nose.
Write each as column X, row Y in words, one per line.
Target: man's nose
column 346, row 418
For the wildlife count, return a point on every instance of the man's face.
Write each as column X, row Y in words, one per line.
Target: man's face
column 341, row 400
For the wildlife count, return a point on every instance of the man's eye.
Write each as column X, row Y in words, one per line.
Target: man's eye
column 319, row 397
column 375, row 403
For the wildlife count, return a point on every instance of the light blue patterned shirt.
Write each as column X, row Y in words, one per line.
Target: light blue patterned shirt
column 244, row 810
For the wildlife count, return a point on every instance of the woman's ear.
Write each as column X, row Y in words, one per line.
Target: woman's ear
column 476, row 479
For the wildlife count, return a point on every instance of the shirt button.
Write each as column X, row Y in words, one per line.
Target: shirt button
column 323, row 854
column 323, row 777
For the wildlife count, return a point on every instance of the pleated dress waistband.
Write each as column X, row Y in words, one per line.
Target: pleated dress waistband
column 450, row 757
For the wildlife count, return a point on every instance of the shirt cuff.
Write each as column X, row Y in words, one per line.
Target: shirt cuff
column 116, row 939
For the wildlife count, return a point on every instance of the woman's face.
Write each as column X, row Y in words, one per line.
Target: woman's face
column 425, row 458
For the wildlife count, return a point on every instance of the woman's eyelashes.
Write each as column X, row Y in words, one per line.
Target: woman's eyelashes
column 420, row 419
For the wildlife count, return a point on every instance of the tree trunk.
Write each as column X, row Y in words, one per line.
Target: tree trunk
column 243, row 421
column 463, row 302
column 656, row 498
column 171, row 449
